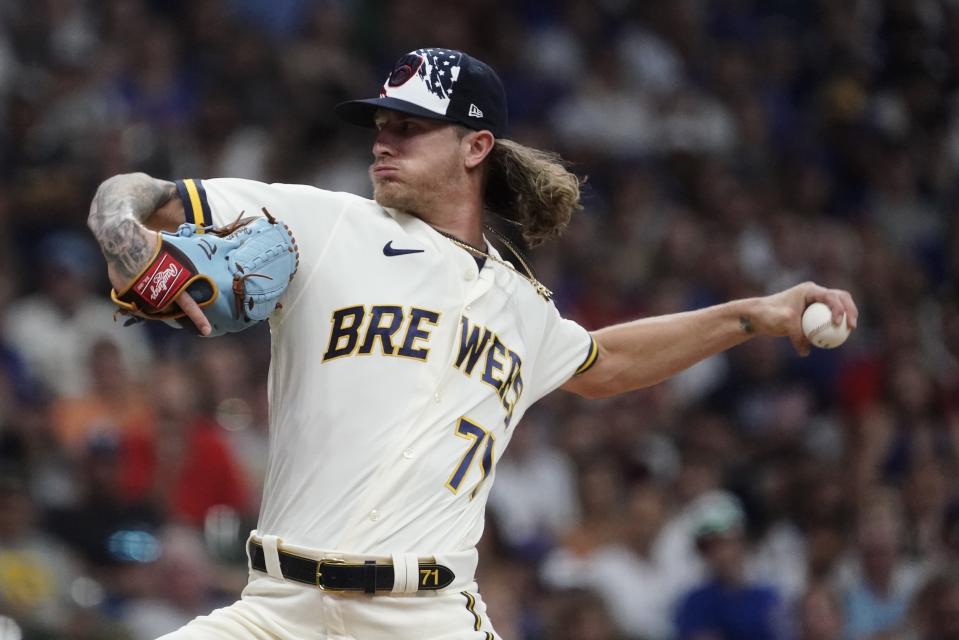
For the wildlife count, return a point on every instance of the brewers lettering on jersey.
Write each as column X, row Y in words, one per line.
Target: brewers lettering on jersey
column 406, row 351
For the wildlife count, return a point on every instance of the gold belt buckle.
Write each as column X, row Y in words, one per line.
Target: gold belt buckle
column 319, row 574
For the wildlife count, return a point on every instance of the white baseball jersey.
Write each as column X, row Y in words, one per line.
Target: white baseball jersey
column 399, row 372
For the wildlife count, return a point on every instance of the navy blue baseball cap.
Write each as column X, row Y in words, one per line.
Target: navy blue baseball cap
column 441, row 84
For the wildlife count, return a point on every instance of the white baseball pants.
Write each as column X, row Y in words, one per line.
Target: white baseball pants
column 272, row 609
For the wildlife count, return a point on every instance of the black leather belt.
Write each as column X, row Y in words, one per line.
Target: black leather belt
column 335, row 575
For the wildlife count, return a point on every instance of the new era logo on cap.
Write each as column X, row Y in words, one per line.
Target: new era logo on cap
column 442, row 84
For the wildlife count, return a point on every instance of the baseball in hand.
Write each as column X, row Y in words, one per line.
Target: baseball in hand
column 818, row 327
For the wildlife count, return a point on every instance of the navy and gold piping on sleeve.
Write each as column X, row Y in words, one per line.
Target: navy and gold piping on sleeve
column 195, row 205
column 591, row 357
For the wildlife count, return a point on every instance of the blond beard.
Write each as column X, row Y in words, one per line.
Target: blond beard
column 417, row 202
column 388, row 195
column 394, row 196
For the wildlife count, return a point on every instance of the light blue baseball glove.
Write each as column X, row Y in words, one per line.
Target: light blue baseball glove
column 235, row 273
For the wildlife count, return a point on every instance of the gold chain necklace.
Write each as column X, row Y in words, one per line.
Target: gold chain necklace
column 537, row 285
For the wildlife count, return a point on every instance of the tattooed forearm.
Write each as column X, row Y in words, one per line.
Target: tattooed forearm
column 126, row 247
column 747, row 324
column 118, row 209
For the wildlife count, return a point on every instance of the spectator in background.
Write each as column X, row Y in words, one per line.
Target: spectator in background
column 580, row 615
column 936, row 607
column 101, row 511
column 36, row 572
column 925, row 496
column 629, row 573
column 728, row 605
column 819, row 615
column 54, row 329
column 949, row 551
column 823, row 506
column 919, row 433
column 534, row 468
column 603, row 112
column 779, row 555
column 183, row 587
column 246, row 421
column 696, row 485
column 115, row 403
column 112, row 538
column 186, row 465
column 600, row 496
column 878, row 581
column 626, row 572
column 235, row 397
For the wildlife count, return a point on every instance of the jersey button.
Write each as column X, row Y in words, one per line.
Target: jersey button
column 436, row 397
column 468, row 275
column 408, row 454
column 374, row 515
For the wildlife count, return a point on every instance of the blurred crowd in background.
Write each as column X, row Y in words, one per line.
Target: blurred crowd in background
column 731, row 148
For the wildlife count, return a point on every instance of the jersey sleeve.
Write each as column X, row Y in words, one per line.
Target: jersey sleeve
column 567, row 349
column 312, row 214
column 196, row 204
column 220, row 201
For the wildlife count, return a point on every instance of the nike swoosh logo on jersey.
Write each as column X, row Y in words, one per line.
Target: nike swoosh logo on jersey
column 389, row 251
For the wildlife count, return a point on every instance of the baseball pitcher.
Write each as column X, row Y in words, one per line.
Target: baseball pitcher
column 405, row 348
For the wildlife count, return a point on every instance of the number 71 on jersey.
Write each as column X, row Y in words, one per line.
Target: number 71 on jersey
column 472, row 431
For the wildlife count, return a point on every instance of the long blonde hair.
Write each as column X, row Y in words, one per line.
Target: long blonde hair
column 532, row 188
